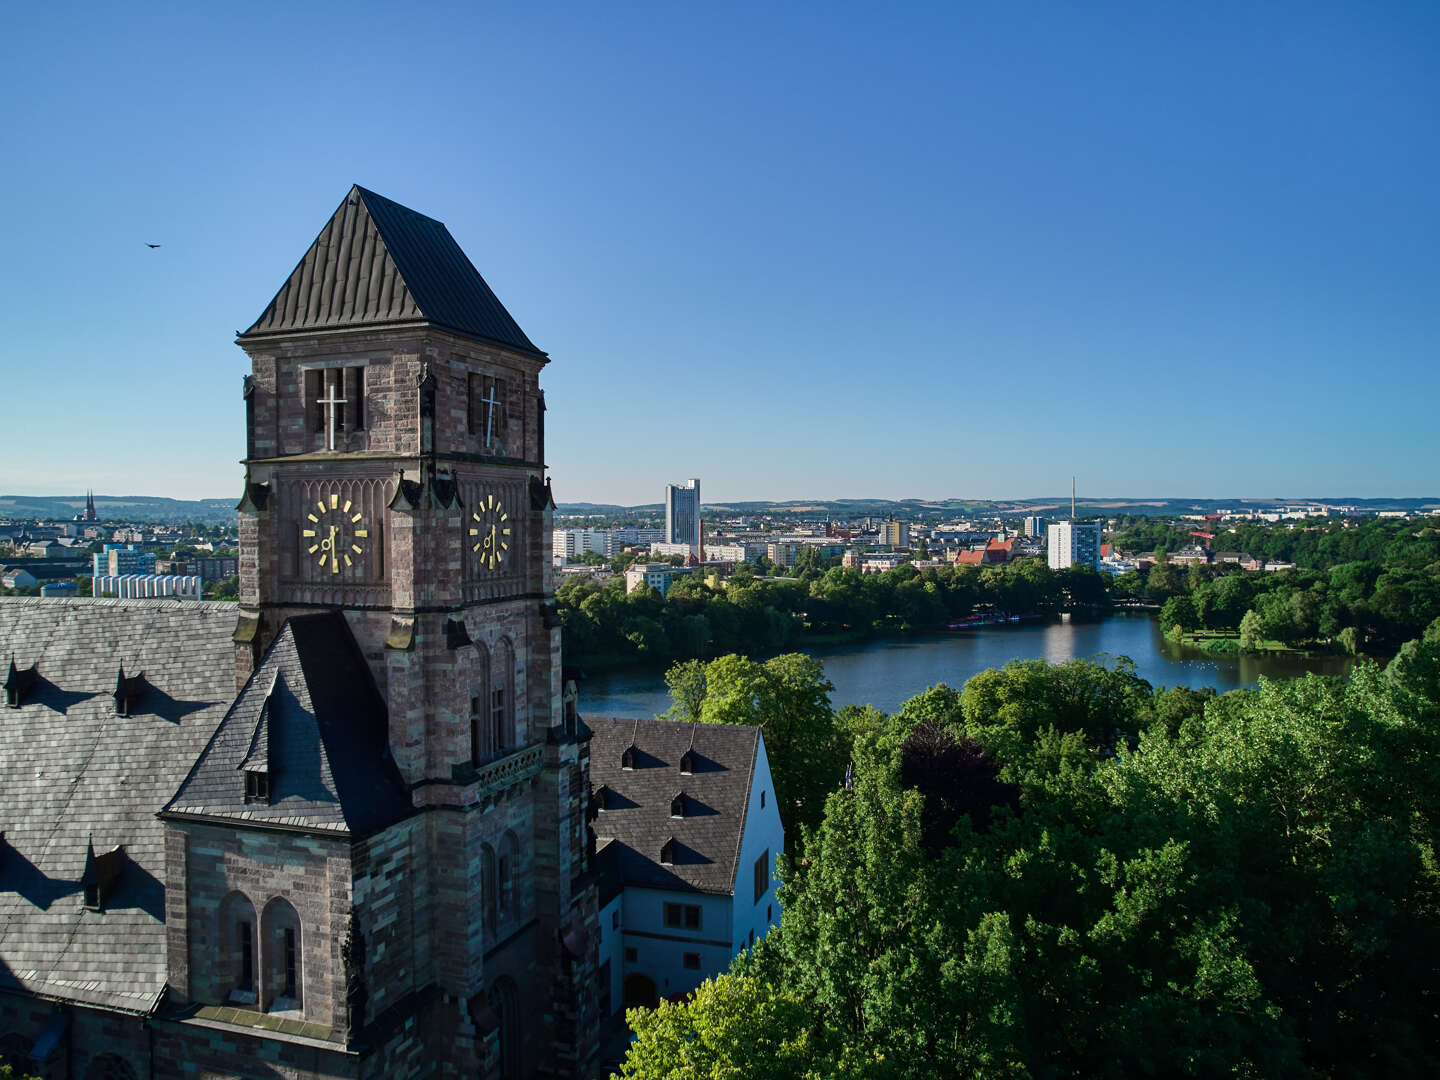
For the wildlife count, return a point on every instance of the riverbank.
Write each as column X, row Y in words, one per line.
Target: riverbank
column 887, row 672
column 1227, row 643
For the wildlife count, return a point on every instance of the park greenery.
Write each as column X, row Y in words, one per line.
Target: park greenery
column 754, row 615
column 1063, row 871
column 1361, row 589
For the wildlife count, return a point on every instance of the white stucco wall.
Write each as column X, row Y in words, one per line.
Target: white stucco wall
column 763, row 832
column 660, row 950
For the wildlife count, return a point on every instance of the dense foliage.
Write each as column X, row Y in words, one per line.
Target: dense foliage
column 752, row 615
column 1166, row 883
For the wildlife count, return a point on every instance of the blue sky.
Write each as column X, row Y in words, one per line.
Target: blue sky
column 799, row 251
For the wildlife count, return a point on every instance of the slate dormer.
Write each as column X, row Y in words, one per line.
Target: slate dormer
column 677, row 805
column 101, row 874
column 19, row 683
column 128, row 691
column 257, row 763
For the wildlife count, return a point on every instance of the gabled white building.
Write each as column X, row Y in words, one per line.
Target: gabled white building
column 687, row 833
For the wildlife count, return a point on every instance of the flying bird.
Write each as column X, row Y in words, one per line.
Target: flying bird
column 152, row 245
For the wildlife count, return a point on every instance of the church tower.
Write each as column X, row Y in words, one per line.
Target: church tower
column 395, row 482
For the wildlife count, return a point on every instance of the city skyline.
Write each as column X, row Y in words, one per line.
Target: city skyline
column 1173, row 251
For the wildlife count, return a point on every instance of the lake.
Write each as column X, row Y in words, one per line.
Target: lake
column 887, row 672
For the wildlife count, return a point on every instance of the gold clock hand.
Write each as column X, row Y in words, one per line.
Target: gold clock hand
column 334, row 555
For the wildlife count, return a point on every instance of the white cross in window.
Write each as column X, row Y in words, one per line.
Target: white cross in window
column 491, row 403
column 330, row 404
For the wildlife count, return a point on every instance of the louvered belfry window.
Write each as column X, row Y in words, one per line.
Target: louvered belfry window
column 345, row 384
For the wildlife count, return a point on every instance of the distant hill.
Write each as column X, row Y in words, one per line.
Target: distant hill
column 152, row 508
column 945, row 508
column 137, row 508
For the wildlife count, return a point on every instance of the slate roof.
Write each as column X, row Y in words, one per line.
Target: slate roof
column 637, row 821
column 312, row 712
column 377, row 263
column 73, row 774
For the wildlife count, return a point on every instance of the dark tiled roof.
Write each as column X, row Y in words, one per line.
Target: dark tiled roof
column 74, row 774
column 313, row 706
column 378, row 263
column 638, row 821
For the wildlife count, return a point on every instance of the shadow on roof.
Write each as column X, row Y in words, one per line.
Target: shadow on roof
column 19, row 875
column 159, row 704
column 138, row 888
column 48, row 695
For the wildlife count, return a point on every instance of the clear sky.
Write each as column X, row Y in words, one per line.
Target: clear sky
column 798, row 250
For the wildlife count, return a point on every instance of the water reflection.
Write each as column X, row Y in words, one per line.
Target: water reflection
column 886, row 673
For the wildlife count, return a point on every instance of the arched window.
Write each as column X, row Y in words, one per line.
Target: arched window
column 490, row 887
column 239, row 961
column 509, row 853
column 281, row 959
column 109, row 1067
column 504, row 1002
column 502, row 695
column 481, row 739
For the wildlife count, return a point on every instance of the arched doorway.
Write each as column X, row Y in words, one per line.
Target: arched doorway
column 640, row 991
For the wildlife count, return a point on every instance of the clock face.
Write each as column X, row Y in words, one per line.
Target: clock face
column 335, row 533
column 490, row 532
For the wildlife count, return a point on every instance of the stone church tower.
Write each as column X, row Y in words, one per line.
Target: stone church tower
column 390, row 820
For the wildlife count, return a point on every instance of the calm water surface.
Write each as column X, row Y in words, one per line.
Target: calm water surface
column 886, row 673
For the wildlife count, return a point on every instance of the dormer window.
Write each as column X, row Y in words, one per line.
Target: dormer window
column 667, row 852
column 257, row 786
column 677, row 805
column 19, row 683
column 602, row 798
column 98, row 879
column 687, row 763
column 627, row 759
column 128, row 692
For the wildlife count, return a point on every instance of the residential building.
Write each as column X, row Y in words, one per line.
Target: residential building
column 60, row 588
column 336, row 829
column 206, row 569
column 682, row 513
column 1035, row 526
column 132, row 586
column 782, row 553
column 685, row 818
column 120, row 559
column 1073, row 543
column 1190, row 554
column 17, row 577
column 656, row 575
column 895, row 534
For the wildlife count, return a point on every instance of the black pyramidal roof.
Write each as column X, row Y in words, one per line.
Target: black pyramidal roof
column 377, row 263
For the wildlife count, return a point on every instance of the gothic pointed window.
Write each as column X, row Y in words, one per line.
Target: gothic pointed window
column 489, row 888
column 282, row 969
column 239, row 960
column 505, row 871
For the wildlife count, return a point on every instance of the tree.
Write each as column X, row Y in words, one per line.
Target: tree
column 788, row 697
column 1178, row 613
column 734, row 1026
column 1252, row 631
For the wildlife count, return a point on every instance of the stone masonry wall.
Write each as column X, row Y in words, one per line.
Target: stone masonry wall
column 312, row 874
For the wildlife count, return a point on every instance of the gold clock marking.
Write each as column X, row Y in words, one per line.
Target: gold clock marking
column 329, row 537
column 490, row 539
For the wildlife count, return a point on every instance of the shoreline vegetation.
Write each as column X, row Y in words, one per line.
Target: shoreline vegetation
column 1356, row 589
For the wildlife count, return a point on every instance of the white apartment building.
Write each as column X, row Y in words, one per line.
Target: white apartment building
column 1074, row 543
